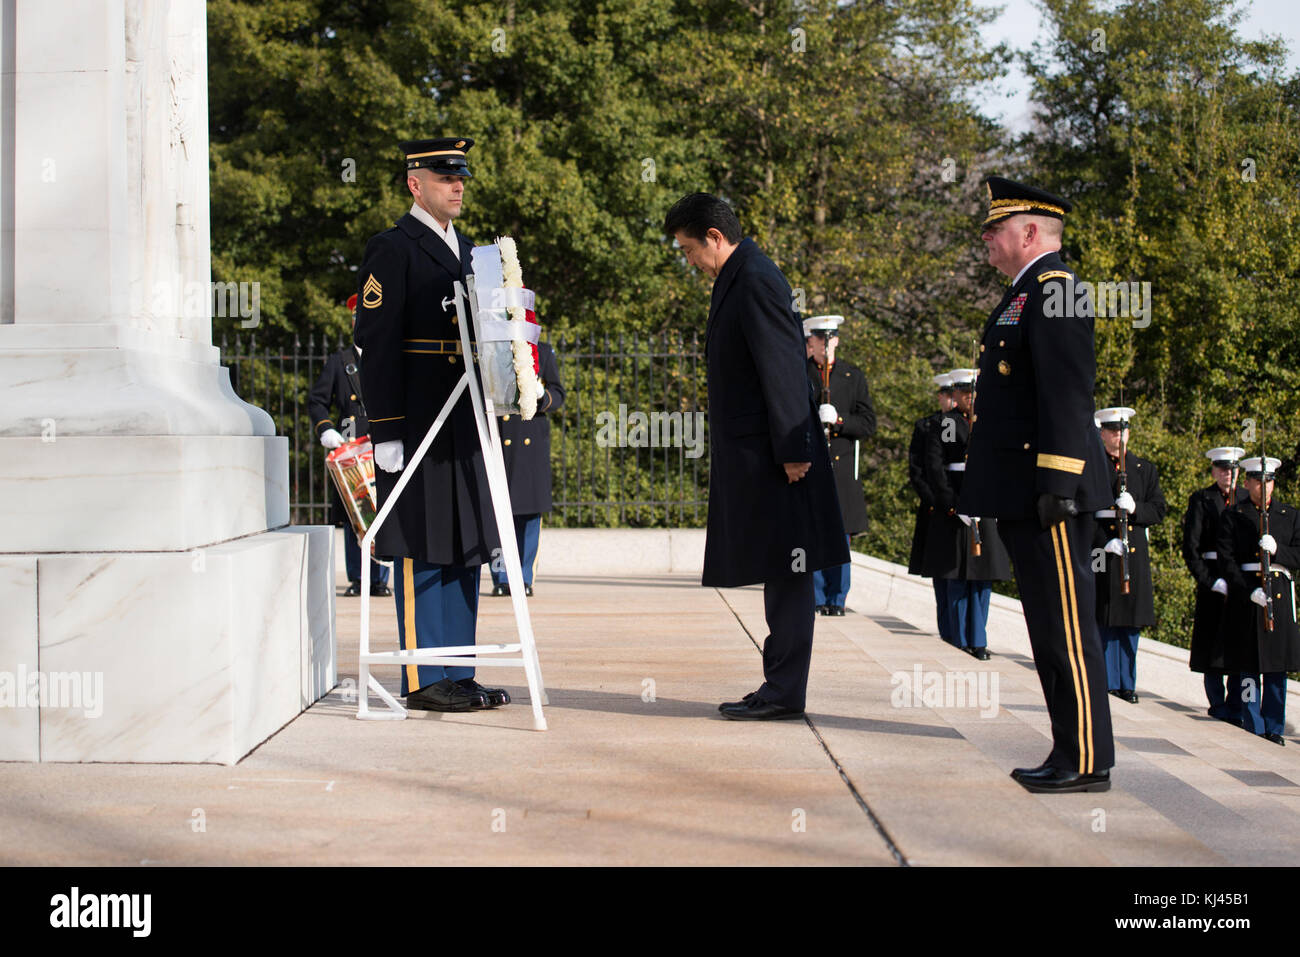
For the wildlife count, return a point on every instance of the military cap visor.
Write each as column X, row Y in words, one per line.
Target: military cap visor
column 1226, row 456
column 1008, row 198
column 445, row 155
column 1262, row 469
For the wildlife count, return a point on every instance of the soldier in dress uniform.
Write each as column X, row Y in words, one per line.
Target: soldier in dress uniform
column 526, row 448
column 949, row 542
column 1250, row 648
column 1200, row 552
column 340, row 384
column 847, row 416
column 1120, row 616
column 916, row 475
column 1035, row 463
column 441, row 529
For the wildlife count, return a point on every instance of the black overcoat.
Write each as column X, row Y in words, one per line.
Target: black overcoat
column 1032, row 432
column 1137, row 608
column 526, row 446
column 916, row 476
column 1200, row 553
column 852, row 399
column 763, row 413
column 1248, row 646
column 410, row 363
column 948, row 539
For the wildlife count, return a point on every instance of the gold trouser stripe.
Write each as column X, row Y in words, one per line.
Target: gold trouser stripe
column 408, row 617
column 1074, row 645
column 532, row 571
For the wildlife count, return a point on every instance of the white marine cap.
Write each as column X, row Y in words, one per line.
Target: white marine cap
column 1116, row 416
column 1225, row 456
column 1252, row 467
column 963, row 377
column 821, row 323
column 943, row 381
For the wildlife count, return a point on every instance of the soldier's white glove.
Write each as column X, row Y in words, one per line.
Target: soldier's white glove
column 541, row 388
column 1269, row 544
column 1115, row 546
column 331, row 438
column 1125, row 501
column 827, row 414
column 1220, row 587
column 390, row 456
column 1259, row 598
column 965, row 519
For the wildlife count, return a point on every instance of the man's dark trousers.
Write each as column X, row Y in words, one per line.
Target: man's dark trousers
column 788, row 606
column 1058, row 592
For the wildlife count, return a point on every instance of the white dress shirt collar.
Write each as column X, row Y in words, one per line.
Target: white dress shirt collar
column 1024, row 269
column 448, row 235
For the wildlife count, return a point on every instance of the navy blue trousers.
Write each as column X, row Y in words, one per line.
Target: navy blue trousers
column 941, row 610
column 968, row 611
column 1263, row 705
column 528, row 532
column 1121, row 646
column 1221, row 692
column 831, row 585
column 437, row 607
column 352, row 560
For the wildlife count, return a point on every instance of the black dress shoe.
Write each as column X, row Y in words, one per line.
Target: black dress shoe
column 1060, row 781
column 354, row 589
column 822, row 610
column 836, row 611
column 445, row 695
column 1130, row 696
column 1276, row 739
column 1039, row 771
column 981, row 654
column 495, row 697
column 528, row 590
column 737, row 704
column 380, row 591
column 756, row 709
column 499, row 590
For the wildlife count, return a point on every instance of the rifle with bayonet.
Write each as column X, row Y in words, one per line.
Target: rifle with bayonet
column 1265, row 565
column 1122, row 514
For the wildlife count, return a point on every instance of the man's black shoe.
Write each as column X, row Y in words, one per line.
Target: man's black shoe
column 823, row 610
column 354, row 589
column 499, row 590
column 1276, row 739
column 495, row 697
column 380, row 591
column 836, row 611
column 528, row 590
column 1130, row 696
column 756, row 709
column 737, row 704
column 445, row 695
column 1039, row 771
column 1059, row 781
column 980, row 654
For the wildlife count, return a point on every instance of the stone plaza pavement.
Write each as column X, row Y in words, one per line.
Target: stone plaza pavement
column 639, row 768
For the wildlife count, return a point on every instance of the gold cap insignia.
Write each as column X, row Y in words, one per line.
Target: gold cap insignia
column 460, row 144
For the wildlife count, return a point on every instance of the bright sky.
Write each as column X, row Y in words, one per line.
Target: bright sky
column 1020, row 23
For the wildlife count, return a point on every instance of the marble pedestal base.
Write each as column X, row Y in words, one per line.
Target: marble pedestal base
column 194, row 656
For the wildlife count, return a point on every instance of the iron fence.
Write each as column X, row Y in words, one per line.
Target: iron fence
column 627, row 447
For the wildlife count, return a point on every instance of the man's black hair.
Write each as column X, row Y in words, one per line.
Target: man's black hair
column 696, row 213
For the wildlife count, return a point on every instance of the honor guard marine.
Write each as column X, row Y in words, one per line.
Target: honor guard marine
column 1200, row 553
column 917, row 477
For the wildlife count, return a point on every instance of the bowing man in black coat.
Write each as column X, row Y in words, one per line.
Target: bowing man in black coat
column 1120, row 616
column 526, row 448
column 773, row 512
column 1201, row 554
column 340, row 385
column 1036, row 464
column 441, row 529
column 847, row 416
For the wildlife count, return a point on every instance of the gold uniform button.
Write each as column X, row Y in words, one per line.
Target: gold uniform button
column 1004, row 367
column 505, row 418
column 453, row 320
column 837, row 458
column 507, row 442
column 1026, row 446
column 451, row 359
column 981, row 347
column 528, row 441
column 973, row 418
column 354, row 397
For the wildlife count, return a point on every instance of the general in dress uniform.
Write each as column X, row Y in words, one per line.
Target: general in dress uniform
column 1035, row 463
column 442, row 528
column 1201, row 553
column 916, row 477
column 1121, row 616
column 773, row 514
column 526, row 448
column 1250, row 648
column 340, row 385
column 847, row 417
column 964, row 579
